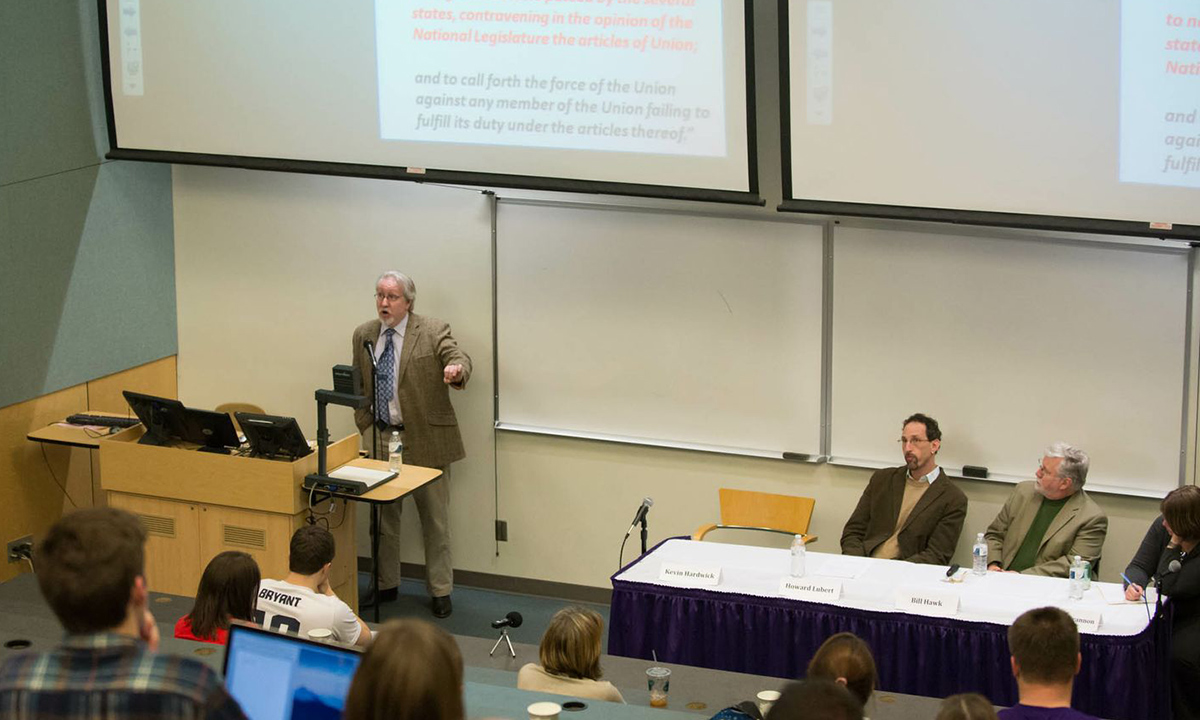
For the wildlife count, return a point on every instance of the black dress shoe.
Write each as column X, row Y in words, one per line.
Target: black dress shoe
column 441, row 606
column 388, row 595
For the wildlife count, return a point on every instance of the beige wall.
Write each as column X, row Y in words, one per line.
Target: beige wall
column 577, row 496
column 31, row 472
column 274, row 271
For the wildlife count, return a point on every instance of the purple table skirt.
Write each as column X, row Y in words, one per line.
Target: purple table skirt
column 1124, row 678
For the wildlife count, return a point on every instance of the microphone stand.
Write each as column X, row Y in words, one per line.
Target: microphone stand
column 644, row 532
column 367, row 347
column 503, row 638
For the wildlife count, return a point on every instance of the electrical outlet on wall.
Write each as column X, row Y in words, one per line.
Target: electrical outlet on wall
column 19, row 546
column 501, row 531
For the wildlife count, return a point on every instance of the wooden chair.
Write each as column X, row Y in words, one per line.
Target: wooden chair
column 236, row 407
column 765, row 512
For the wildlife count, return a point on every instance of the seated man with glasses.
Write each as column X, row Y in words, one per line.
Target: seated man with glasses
column 1046, row 522
column 912, row 512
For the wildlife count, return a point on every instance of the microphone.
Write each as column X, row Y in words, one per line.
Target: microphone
column 641, row 514
column 1173, row 567
column 512, row 620
column 370, row 348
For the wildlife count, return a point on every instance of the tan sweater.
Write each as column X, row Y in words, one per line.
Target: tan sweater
column 534, row 677
column 913, row 490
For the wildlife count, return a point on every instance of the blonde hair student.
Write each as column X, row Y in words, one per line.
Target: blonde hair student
column 570, row 658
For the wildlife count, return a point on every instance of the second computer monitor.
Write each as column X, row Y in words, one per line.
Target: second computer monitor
column 273, row 436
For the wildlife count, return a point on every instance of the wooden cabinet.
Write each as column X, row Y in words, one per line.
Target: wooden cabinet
column 195, row 505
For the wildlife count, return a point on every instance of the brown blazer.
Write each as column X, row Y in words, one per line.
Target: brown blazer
column 431, row 436
column 1078, row 529
column 929, row 535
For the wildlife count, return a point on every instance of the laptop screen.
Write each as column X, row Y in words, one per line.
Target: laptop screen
column 274, row 676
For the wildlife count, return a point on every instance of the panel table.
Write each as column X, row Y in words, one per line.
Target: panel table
column 743, row 624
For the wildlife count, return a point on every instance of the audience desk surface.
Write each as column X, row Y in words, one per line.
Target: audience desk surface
column 491, row 679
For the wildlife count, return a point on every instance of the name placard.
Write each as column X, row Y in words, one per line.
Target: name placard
column 691, row 575
column 1087, row 619
column 927, row 601
column 810, row 588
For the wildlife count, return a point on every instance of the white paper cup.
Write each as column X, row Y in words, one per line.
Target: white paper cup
column 766, row 700
column 544, row 711
column 322, row 635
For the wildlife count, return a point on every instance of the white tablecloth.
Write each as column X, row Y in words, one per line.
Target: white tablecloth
column 993, row 598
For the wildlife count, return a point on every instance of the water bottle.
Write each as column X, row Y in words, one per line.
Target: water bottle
column 1075, row 588
column 395, row 452
column 798, row 552
column 1087, row 575
column 979, row 556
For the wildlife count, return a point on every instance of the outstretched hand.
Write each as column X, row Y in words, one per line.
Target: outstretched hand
column 452, row 374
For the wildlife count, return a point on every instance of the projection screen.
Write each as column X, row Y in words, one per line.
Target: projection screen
column 1074, row 114
column 648, row 93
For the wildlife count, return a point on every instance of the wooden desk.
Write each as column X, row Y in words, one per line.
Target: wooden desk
column 411, row 477
column 84, row 436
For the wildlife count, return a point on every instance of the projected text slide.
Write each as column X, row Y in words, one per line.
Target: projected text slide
column 643, row 76
column 1160, row 92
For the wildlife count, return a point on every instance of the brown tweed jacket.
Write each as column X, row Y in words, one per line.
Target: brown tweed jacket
column 929, row 535
column 431, row 436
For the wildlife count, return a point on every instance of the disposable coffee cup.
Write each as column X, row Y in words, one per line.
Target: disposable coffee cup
column 321, row 635
column 766, row 700
column 544, row 711
column 658, row 681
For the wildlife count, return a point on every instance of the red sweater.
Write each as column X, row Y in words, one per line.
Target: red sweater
column 183, row 631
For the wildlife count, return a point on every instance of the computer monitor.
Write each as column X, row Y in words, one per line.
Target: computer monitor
column 162, row 417
column 273, row 436
column 213, row 431
column 275, row 676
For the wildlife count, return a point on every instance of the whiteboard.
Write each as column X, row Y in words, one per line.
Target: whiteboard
column 1011, row 344
column 673, row 329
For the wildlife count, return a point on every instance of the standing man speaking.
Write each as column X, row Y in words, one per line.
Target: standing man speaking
column 417, row 359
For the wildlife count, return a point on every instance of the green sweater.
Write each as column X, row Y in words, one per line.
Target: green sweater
column 1027, row 553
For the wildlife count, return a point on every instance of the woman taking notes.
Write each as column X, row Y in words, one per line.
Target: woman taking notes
column 1168, row 554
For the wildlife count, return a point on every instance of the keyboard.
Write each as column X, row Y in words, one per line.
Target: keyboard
column 102, row 420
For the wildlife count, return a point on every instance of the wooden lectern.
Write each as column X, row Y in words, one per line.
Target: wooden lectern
column 196, row 504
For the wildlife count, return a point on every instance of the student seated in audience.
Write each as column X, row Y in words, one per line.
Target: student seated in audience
column 91, row 570
column 1044, row 644
column 847, row 660
column 413, row 671
column 304, row 601
column 570, row 658
column 816, row 699
column 228, row 590
column 1045, row 523
column 966, row 706
column 1173, row 538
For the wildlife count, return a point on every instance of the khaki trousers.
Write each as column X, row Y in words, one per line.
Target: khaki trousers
column 433, row 509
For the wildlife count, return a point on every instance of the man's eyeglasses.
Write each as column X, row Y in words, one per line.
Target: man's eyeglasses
column 388, row 297
column 911, row 441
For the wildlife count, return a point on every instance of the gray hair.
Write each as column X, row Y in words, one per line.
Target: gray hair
column 1075, row 462
column 407, row 286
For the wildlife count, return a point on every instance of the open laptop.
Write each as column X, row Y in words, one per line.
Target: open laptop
column 275, row 676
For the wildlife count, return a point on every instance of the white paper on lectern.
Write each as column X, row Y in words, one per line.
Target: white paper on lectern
column 367, row 476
